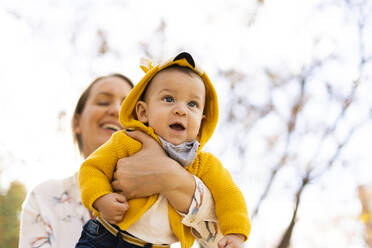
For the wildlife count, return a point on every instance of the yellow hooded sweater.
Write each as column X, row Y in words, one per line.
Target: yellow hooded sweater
column 96, row 172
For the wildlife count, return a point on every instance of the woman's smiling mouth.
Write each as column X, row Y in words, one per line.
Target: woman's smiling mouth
column 111, row 127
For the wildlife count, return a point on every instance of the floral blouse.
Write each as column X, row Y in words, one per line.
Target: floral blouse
column 53, row 215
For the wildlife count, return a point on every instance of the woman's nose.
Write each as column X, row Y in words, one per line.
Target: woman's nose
column 114, row 109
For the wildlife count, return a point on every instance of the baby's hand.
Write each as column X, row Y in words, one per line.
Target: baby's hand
column 112, row 207
column 231, row 241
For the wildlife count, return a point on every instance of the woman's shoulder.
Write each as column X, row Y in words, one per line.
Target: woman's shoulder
column 55, row 187
column 49, row 184
column 57, row 202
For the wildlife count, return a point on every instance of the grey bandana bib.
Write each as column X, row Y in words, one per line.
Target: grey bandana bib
column 184, row 153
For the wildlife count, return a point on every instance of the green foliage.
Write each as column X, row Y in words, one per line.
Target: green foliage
column 10, row 207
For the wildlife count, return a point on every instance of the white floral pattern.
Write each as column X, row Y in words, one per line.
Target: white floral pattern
column 202, row 217
column 53, row 215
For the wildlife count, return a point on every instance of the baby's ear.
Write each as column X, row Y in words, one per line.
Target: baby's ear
column 202, row 121
column 141, row 111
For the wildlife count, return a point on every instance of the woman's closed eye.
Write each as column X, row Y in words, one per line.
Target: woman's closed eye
column 103, row 103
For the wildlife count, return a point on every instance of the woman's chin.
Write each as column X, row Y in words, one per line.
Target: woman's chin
column 105, row 135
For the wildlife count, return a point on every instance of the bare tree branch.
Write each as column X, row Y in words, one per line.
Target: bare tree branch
column 291, row 124
column 285, row 241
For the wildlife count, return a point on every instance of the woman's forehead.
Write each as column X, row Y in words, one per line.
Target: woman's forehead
column 111, row 85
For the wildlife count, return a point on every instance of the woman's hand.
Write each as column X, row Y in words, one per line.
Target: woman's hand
column 150, row 171
column 139, row 175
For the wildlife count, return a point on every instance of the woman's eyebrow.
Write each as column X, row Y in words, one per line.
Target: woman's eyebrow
column 108, row 94
column 104, row 93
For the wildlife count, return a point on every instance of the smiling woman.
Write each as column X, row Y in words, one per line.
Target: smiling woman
column 95, row 117
column 52, row 215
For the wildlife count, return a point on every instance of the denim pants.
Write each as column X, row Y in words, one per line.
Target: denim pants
column 95, row 235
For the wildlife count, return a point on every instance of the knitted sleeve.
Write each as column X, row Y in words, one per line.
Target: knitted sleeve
column 231, row 209
column 95, row 174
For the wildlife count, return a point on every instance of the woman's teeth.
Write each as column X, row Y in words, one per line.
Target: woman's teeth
column 112, row 127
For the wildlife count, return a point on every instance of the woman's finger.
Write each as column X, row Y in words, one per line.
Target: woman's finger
column 137, row 135
column 115, row 185
column 146, row 140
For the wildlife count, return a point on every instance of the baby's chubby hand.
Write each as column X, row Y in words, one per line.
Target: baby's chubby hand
column 231, row 241
column 112, row 207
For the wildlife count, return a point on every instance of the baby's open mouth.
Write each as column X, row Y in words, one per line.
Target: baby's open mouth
column 177, row 127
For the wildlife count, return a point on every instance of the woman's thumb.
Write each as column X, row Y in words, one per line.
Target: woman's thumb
column 139, row 136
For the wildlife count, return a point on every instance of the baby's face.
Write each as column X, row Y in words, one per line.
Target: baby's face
column 173, row 106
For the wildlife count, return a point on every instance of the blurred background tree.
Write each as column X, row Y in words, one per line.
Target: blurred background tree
column 365, row 195
column 10, row 206
column 305, row 118
column 294, row 83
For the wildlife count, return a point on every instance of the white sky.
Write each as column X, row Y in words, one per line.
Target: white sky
column 49, row 54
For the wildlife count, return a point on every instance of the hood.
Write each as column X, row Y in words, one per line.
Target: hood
column 127, row 114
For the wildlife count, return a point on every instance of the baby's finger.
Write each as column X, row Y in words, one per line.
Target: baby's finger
column 121, row 208
column 222, row 243
column 121, row 198
column 119, row 218
column 233, row 244
column 111, row 220
column 124, row 207
column 114, row 221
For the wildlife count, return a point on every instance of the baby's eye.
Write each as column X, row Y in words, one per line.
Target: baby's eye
column 168, row 99
column 193, row 104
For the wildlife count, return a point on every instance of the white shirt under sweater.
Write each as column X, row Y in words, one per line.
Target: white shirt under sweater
column 53, row 216
column 154, row 227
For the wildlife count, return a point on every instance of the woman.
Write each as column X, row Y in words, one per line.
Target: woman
column 53, row 215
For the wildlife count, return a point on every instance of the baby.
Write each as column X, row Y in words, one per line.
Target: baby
column 175, row 103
